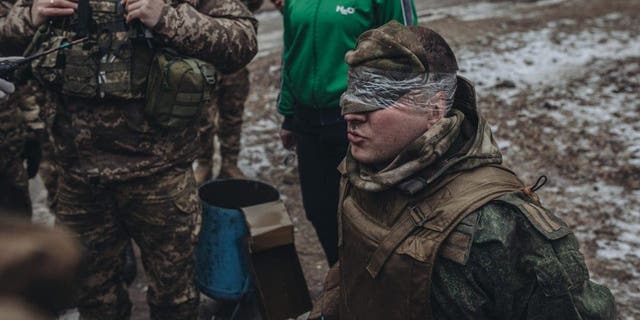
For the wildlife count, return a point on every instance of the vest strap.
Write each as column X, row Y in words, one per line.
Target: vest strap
column 411, row 221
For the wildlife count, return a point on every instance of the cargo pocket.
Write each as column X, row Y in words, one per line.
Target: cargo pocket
column 114, row 77
column 188, row 204
column 80, row 73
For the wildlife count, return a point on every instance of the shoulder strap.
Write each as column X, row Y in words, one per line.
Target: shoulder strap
column 542, row 219
column 411, row 221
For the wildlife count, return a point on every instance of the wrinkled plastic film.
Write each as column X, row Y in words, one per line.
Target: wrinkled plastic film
column 372, row 89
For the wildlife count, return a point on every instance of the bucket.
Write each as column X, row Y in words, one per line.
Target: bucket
column 222, row 255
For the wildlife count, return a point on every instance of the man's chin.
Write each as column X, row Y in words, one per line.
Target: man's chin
column 364, row 156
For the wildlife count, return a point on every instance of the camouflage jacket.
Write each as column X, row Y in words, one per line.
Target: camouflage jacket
column 112, row 140
column 15, row 30
column 19, row 116
column 497, row 260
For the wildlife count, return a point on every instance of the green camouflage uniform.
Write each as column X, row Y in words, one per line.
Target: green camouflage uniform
column 123, row 176
column 227, row 109
column 444, row 231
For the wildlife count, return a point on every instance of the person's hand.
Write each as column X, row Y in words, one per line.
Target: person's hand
column 6, row 88
column 41, row 10
column 278, row 3
column 288, row 139
column 147, row 11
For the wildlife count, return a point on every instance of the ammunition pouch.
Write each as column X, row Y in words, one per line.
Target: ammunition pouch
column 178, row 89
column 113, row 63
column 118, row 61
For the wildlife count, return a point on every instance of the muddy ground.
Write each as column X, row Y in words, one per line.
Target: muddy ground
column 560, row 82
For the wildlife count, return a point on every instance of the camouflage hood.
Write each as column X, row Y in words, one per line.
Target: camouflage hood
column 459, row 142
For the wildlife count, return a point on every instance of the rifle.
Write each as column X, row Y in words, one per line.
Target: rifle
column 8, row 67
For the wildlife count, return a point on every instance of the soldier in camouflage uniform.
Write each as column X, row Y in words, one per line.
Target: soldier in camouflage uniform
column 122, row 174
column 14, row 195
column 226, row 109
column 432, row 226
column 28, row 128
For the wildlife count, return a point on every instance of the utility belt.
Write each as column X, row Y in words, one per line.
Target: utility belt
column 121, row 61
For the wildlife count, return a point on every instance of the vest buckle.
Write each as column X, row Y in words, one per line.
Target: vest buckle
column 417, row 216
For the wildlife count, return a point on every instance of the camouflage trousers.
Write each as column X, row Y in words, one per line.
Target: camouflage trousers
column 19, row 120
column 161, row 213
column 231, row 94
column 14, row 191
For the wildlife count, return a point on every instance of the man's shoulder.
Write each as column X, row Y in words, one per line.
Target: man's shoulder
column 502, row 221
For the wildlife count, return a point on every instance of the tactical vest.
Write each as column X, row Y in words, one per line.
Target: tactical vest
column 113, row 63
column 386, row 261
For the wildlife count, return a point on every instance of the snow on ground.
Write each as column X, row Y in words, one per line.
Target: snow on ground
column 483, row 10
column 547, row 56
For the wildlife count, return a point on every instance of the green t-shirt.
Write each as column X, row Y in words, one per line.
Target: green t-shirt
column 317, row 34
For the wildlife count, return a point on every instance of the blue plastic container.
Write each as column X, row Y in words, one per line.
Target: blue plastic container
column 222, row 254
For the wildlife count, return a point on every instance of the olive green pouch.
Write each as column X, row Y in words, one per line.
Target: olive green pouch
column 178, row 89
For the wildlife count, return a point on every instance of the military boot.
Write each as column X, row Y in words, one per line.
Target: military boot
column 203, row 171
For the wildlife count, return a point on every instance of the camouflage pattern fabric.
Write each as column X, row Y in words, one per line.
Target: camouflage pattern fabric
column 16, row 29
column 511, row 260
column 162, row 214
column 13, row 176
column 398, row 48
column 113, row 141
column 397, row 51
column 124, row 177
column 48, row 170
column 224, row 115
column 19, row 120
column 228, row 107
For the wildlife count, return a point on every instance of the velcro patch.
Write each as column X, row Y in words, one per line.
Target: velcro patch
column 544, row 221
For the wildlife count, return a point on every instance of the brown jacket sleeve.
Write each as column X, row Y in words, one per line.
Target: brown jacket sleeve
column 222, row 32
column 16, row 28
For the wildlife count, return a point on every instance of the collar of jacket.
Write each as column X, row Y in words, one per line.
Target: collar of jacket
column 456, row 143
